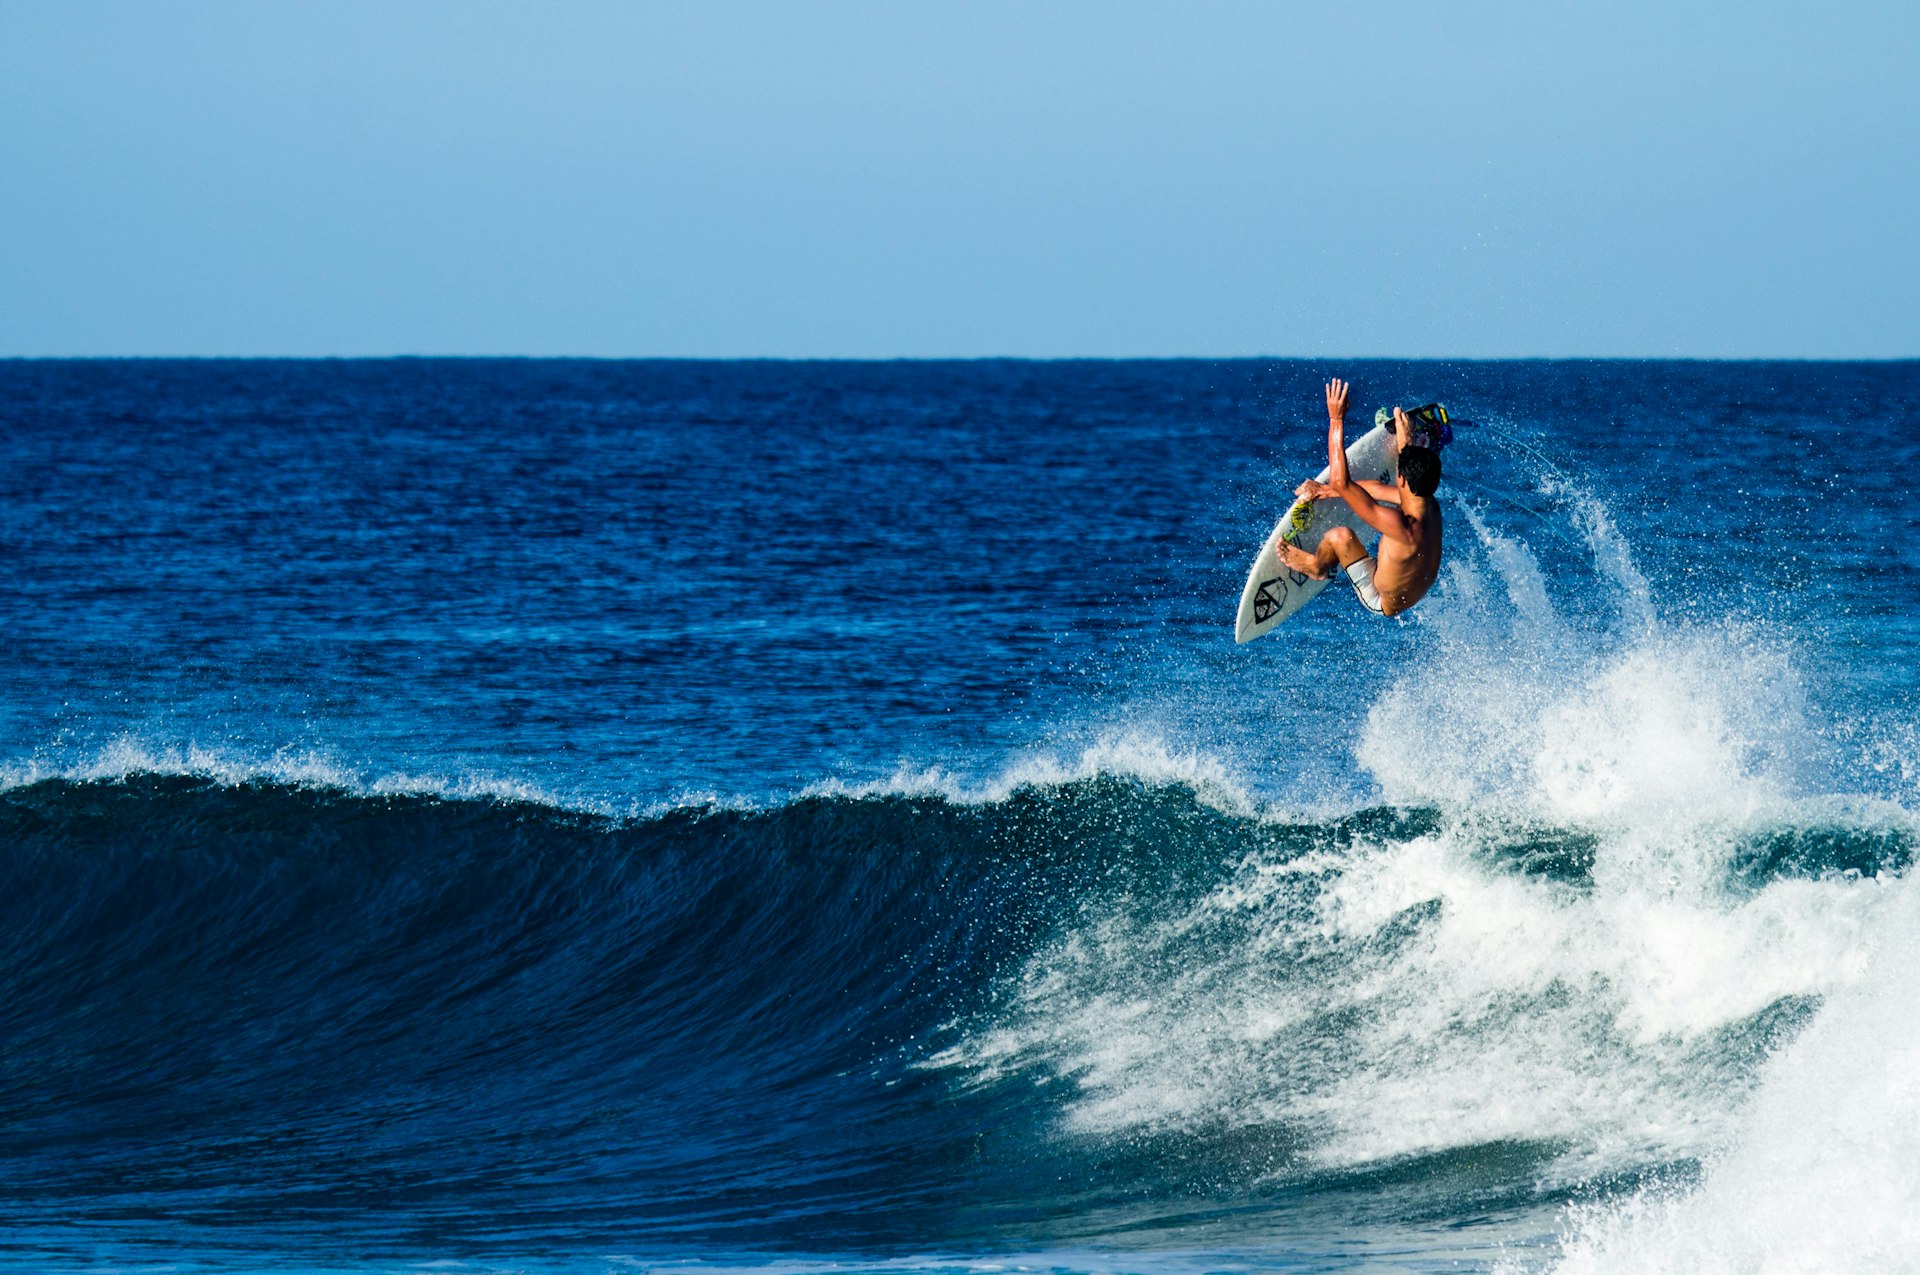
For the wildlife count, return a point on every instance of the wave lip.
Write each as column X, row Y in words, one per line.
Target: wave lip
column 130, row 757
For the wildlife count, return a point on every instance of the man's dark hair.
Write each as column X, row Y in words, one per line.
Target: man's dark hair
column 1420, row 466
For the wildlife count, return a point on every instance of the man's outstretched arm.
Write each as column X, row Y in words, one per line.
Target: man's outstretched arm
column 1385, row 519
column 1337, row 433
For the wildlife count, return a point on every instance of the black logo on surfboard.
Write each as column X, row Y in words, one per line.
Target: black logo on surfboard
column 1266, row 601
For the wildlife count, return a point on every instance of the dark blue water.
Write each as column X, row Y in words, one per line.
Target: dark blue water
column 563, row 815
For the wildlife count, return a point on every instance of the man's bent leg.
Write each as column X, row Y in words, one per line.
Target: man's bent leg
column 1359, row 564
column 1339, row 547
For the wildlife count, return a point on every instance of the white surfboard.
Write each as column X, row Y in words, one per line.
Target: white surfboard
column 1274, row 590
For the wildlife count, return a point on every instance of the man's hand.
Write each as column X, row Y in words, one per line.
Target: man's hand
column 1336, row 400
column 1311, row 490
column 1402, row 426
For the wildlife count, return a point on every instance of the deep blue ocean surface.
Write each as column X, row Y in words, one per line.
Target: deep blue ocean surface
column 577, row 816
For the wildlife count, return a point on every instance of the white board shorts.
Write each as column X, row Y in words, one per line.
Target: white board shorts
column 1361, row 574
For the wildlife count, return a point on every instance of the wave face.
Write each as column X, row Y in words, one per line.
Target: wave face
column 1073, row 1011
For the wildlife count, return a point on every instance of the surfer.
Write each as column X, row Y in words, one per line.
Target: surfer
column 1405, row 514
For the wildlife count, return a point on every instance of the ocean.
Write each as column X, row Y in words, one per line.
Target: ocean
column 563, row 816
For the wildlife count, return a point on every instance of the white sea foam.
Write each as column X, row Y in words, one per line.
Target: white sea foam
column 1404, row 995
column 1451, row 1003
column 1825, row 1168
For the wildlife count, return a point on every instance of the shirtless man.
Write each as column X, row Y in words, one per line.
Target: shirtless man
column 1406, row 515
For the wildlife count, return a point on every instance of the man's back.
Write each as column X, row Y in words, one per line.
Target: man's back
column 1408, row 569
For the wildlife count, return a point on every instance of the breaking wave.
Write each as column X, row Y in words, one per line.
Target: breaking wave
column 1608, row 933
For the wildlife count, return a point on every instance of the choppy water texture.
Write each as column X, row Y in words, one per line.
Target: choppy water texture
column 559, row 816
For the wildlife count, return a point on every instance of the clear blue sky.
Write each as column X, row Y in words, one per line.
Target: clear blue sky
column 924, row 179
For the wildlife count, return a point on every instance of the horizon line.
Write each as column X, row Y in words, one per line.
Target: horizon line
column 962, row 358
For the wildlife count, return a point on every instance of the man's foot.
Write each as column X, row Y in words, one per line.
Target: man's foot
column 1298, row 559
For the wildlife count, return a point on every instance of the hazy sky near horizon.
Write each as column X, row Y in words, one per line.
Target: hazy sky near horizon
column 959, row 179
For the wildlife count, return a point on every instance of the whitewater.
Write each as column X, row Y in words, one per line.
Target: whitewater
column 421, row 844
